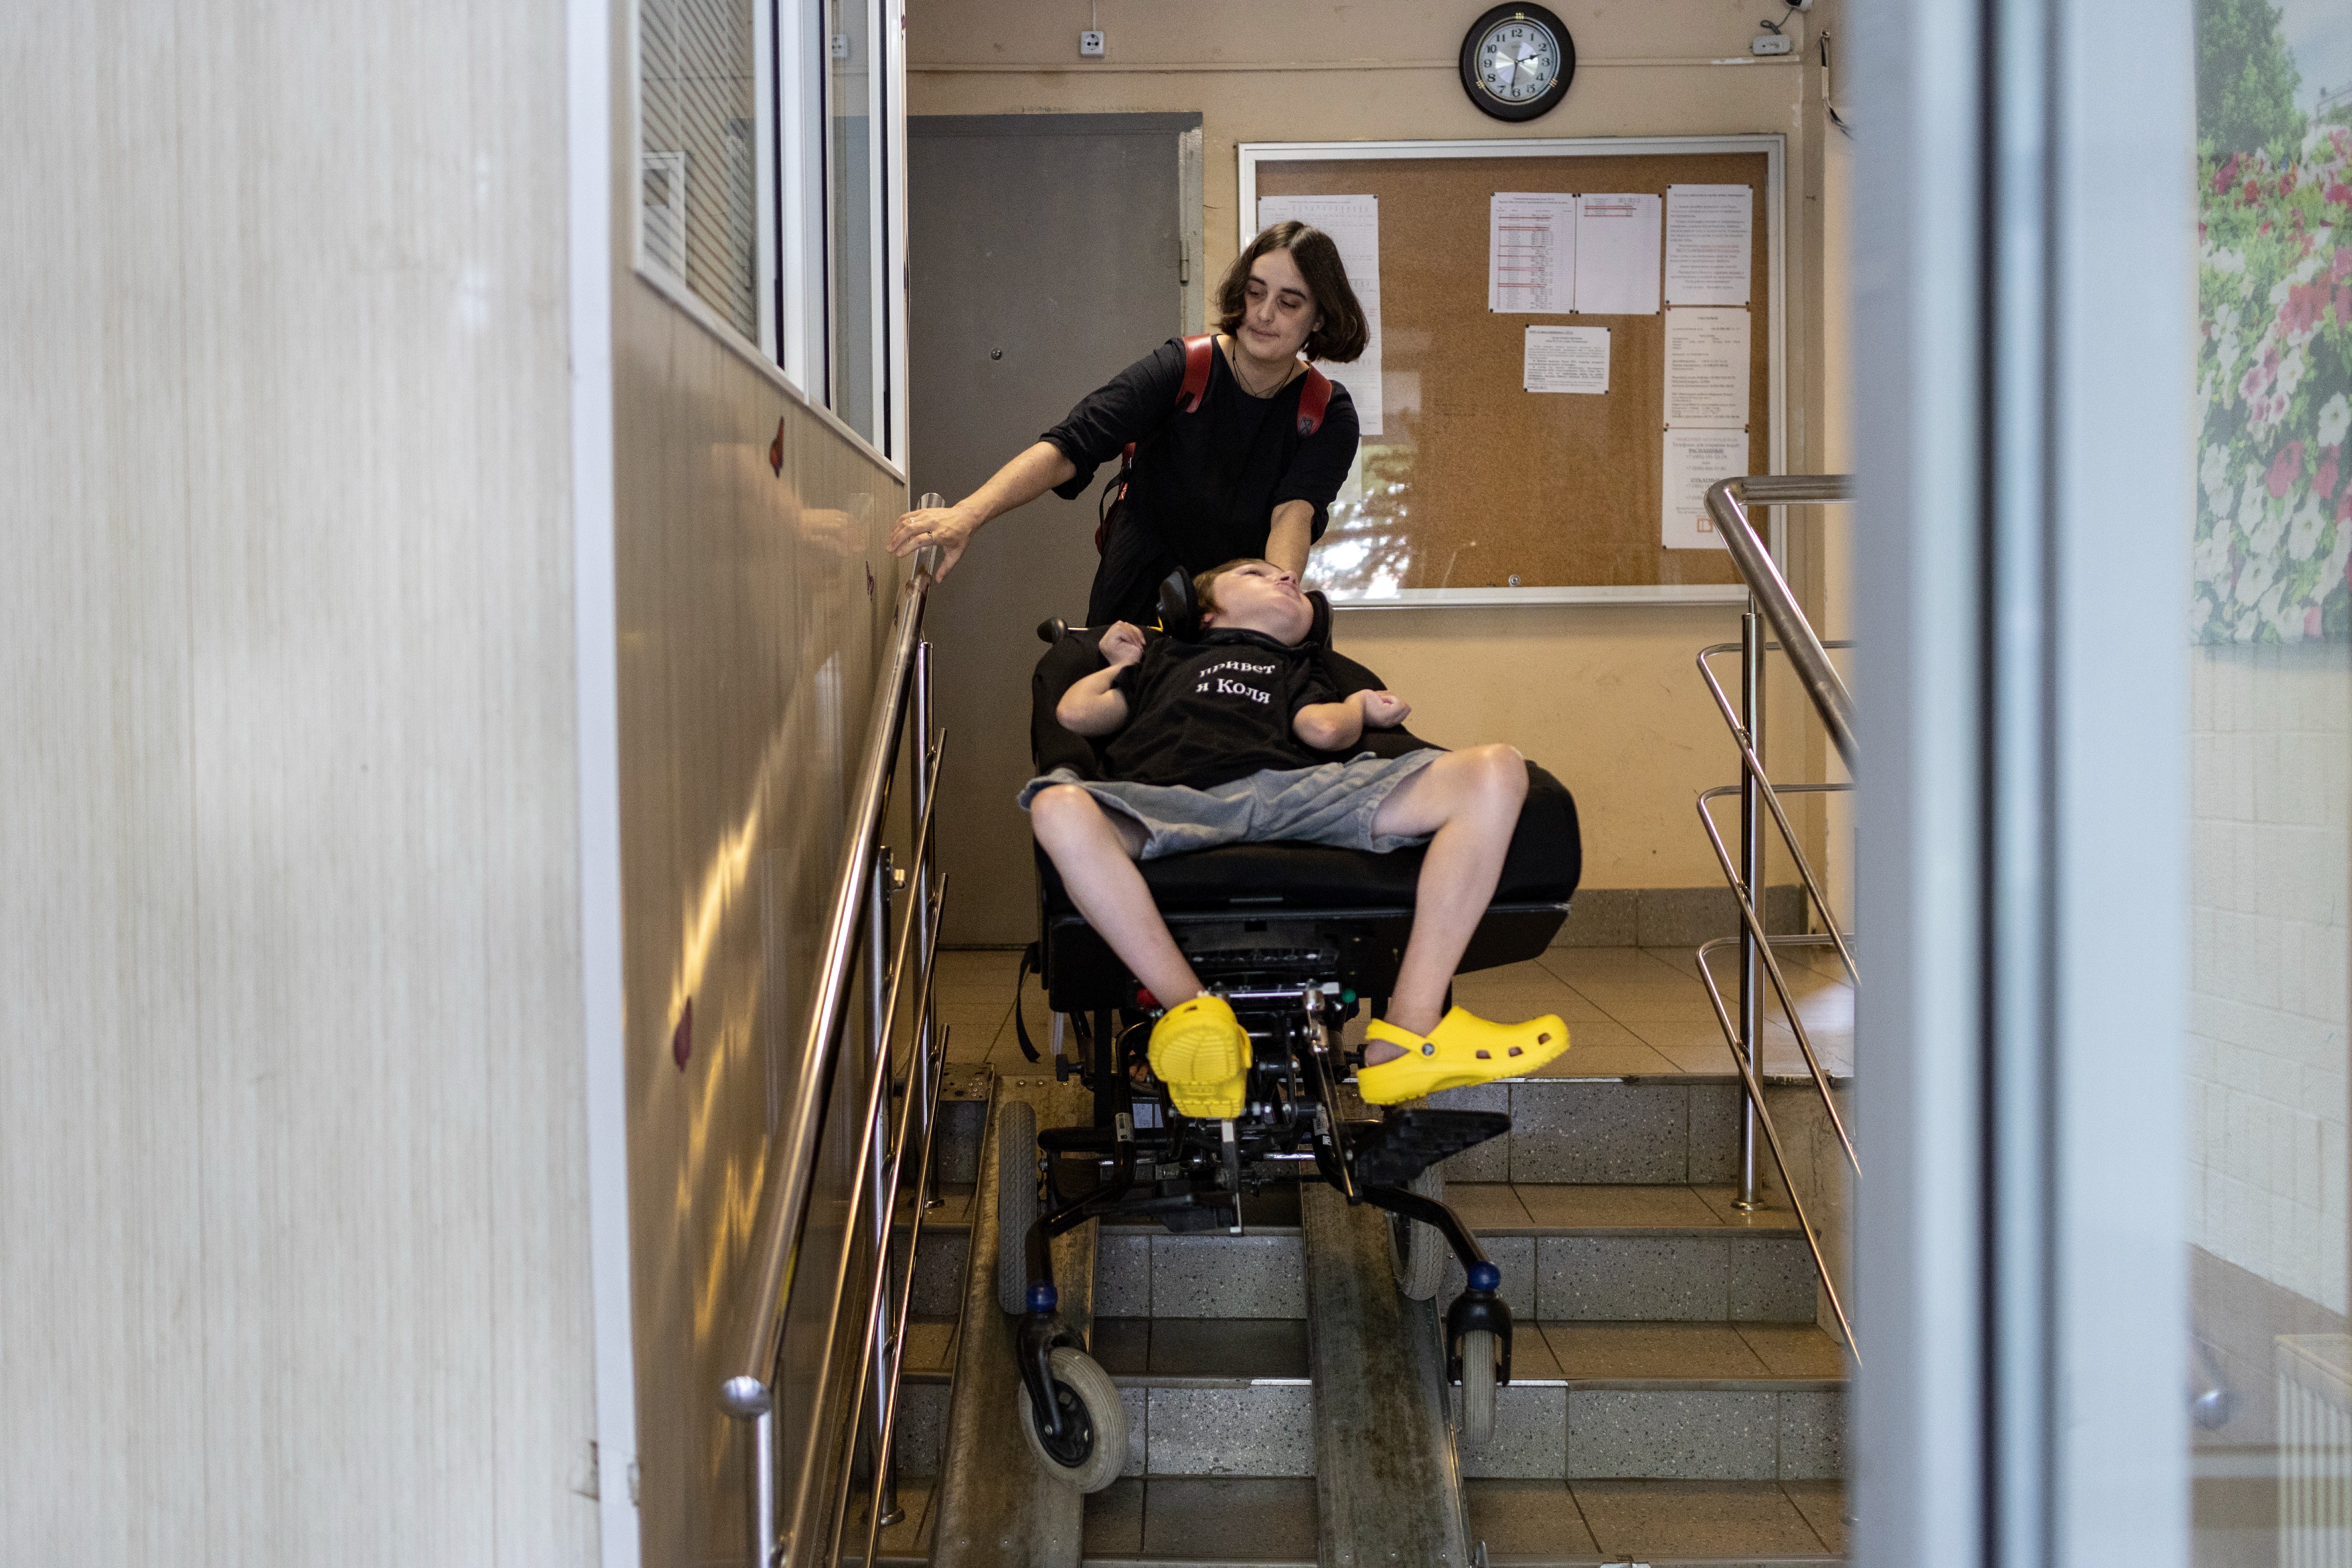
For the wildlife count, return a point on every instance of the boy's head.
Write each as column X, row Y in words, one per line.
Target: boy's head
column 1254, row 595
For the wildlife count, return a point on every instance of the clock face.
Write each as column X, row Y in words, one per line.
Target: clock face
column 1519, row 60
column 1516, row 61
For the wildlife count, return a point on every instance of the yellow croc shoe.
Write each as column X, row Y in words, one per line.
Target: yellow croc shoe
column 1200, row 1051
column 1462, row 1050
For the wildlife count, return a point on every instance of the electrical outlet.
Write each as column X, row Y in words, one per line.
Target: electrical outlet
column 1090, row 42
column 841, row 45
column 1770, row 44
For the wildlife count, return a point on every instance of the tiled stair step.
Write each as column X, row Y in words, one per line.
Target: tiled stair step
column 1229, row 1522
column 1681, row 1253
column 964, row 1095
column 1632, row 1252
column 1638, row 1401
column 1611, row 1129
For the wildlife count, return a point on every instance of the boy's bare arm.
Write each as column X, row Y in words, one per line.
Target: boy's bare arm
column 1335, row 726
column 1090, row 707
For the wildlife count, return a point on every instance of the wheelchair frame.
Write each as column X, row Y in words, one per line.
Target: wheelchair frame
column 1174, row 1168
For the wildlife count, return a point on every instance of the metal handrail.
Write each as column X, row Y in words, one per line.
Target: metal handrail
column 1751, row 917
column 1771, row 602
column 857, row 913
column 1752, row 1085
column 1754, row 764
column 1726, row 501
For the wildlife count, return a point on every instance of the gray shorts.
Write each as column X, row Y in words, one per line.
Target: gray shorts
column 1333, row 803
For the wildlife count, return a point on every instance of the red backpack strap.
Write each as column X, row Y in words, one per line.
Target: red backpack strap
column 1197, row 354
column 1313, row 398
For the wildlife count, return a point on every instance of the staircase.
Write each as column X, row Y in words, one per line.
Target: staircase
column 1673, row 1398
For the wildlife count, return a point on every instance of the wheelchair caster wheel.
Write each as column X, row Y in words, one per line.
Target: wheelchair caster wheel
column 1092, row 1448
column 1016, row 1202
column 1479, row 1386
column 1417, row 1253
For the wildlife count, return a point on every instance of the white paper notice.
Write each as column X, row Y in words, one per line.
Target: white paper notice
column 1354, row 224
column 1710, row 231
column 1617, row 256
column 1706, row 368
column 1696, row 460
column 1568, row 359
column 1531, row 252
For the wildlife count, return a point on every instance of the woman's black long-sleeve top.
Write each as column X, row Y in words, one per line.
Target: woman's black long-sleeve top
column 1204, row 484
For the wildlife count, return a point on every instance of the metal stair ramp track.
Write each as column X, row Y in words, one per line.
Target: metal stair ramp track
column 1387, row 1490
column 997, row 1508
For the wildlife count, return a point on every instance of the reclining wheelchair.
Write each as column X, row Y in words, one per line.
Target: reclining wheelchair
column 1297, row 938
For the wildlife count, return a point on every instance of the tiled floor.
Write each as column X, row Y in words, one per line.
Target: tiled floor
column 1630, row 1010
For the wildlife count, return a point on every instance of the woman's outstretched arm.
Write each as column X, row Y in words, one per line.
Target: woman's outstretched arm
column 1016, row 484
column 1290, row 535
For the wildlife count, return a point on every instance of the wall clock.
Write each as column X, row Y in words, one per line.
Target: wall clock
column 1516, row 61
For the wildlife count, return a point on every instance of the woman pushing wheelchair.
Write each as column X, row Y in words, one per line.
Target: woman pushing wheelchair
column 1233, row 446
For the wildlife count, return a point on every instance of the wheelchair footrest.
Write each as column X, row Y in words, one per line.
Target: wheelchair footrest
column 1391, row 1152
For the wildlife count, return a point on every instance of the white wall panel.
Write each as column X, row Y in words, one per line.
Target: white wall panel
column 291, row 1157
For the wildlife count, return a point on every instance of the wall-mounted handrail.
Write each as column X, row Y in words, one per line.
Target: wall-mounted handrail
column 856, row 913
column 783, row 1201
column 1726, row 502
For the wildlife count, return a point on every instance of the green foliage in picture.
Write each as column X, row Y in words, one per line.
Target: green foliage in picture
column 2246, row 80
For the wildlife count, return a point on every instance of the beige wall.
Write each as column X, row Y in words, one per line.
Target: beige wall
column 292, row 1162
column 1604, row 697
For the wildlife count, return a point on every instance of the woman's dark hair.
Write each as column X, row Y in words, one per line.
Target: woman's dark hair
column 1341, row 336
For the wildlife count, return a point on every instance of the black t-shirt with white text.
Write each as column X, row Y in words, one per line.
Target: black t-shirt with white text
column 1205, row 713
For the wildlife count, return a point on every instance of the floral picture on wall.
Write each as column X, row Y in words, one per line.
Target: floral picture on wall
column 2273, row 537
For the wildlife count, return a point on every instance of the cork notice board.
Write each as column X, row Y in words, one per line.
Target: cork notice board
column 1478, row 491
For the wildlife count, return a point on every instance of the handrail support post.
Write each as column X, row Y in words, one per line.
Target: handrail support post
column 763, row 1487
column 919, row 1074
column 1751, row 872
column 877, row 1036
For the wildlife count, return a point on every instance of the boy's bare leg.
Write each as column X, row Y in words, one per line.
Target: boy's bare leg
column 1470, row 801
column 1094, row 851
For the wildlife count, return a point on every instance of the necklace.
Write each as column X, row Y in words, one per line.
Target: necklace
column 1233, row 362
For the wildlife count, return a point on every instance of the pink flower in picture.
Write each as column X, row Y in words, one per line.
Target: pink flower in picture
column 2324, row 477
column 2286, row 468
column 2304, row 304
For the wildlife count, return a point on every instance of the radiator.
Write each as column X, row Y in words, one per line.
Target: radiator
column 2314, row 1443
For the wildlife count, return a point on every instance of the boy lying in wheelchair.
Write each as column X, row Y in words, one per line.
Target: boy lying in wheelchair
column 1233, row 731
column 1232, row 739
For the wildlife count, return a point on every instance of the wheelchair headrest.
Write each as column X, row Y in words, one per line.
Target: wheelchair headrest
column 1180, row 611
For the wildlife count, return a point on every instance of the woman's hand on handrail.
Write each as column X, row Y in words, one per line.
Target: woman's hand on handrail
column 1016, row 484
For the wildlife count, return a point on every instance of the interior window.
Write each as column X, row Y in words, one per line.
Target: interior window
column 699, row 209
